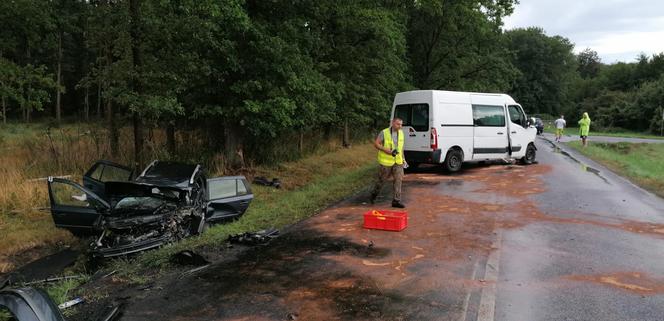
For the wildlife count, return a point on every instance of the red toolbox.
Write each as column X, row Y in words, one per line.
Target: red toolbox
column 385, row 220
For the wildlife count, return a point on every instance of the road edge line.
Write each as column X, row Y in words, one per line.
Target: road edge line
column 487, row 308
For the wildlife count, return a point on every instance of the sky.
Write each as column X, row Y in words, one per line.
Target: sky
column 617, row 29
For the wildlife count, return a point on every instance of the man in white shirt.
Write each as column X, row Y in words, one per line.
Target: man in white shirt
column 560, row 127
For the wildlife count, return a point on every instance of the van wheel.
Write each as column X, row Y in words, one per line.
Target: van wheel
column 531, row 154
column 453, row 160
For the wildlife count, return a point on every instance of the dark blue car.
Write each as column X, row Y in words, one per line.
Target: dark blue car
column 168, row 201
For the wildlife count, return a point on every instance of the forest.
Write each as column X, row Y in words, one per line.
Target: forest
column 258, row 80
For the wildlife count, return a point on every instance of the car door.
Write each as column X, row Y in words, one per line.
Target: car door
column 74, row 207
column 228, row 197
column 490, row 138
column 520, row 132
column 105, row 171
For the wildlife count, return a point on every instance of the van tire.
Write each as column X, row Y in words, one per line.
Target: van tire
column 531, row 154
column 453, row 160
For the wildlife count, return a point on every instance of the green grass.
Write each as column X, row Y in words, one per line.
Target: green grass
column 640, row 163
column 574, row 131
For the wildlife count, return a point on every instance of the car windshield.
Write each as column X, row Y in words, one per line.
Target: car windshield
column 145, row 203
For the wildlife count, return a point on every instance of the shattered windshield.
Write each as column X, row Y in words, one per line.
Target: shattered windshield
column 143, row 203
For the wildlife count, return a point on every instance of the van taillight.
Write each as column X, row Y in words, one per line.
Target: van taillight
column 434, row 139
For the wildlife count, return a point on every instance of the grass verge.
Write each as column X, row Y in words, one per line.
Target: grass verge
column 640, row 163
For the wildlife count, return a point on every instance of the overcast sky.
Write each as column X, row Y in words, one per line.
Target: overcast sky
column 617, row 29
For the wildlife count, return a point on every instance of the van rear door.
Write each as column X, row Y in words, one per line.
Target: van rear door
column 416, row 126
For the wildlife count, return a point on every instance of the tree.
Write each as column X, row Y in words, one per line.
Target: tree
column 547, row 66
column 589, row 63
column 458, row 45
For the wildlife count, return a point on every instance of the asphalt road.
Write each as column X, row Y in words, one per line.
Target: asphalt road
column 604, row 139
column 561, row 240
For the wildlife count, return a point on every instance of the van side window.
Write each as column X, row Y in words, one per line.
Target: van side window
column 488, row 116
column 517, row 116
column 414, row 115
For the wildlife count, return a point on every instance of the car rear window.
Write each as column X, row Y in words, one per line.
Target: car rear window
column 414, row 115
column 174, row 171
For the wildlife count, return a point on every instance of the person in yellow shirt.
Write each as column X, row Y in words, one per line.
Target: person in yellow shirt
column 389, row 143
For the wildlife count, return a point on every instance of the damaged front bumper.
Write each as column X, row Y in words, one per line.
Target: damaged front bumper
column 126, row 249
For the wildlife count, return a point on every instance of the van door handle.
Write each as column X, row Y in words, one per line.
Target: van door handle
column 500, row 133
column 513, row 132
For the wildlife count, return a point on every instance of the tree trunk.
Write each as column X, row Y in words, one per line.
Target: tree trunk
column 134, row 11
column 138, row 141
column 346, row 138
column 300, row 143
column 86, row 104
column 58, row 95
column 170, row 138
column 113, row 132
column 99, row 99
column 233, row 147
column 4, row 110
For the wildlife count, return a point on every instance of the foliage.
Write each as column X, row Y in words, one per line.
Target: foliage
column 547, row 67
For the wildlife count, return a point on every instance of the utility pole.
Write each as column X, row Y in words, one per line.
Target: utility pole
column 661, row 130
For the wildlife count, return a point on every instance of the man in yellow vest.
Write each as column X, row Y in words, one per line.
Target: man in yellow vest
column 389, row 144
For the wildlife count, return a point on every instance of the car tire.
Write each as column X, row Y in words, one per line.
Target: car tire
column 531, row 155
column 453, row 160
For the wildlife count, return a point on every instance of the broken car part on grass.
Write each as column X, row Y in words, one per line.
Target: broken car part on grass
column 260, row 180
column 168, row 201
column 256, row 238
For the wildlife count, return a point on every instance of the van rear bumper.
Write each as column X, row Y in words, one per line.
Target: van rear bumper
column 429, row 157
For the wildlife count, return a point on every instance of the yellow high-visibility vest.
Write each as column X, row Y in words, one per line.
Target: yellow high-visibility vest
column 387, row 159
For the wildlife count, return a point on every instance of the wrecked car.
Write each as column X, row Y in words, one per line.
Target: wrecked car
column 168, row 201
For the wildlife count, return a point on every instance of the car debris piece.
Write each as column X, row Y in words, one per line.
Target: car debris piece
column 261, row 180
column 194, row 270
column 71, row 303
column 189, row 257
column 30, row 304
column 167, row 202
column 256, row 238
column 55, row 279
column 113, row 313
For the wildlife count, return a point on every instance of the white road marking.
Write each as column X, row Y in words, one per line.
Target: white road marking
column 487, row 306
column 467, row 299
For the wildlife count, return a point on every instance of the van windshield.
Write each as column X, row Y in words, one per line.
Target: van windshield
column 414, row 115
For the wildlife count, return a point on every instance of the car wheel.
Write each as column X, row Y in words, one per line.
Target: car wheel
column 531, row 154
column 453, row 160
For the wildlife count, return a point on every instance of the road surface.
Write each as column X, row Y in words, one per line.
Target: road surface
column 561, row 240
column 604, row 139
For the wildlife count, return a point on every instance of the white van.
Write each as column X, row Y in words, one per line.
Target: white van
column 449, row 128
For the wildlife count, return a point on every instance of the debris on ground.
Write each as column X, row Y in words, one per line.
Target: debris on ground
column 71, row 303
column 260, row 180
column 194, row 270
column 114, row 313
column 189, row 257
column 56, row 279
column 256, row 238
